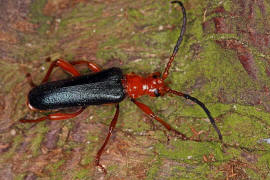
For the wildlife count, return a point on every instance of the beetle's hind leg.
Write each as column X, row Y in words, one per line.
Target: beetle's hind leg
column 30, row 80
column 92, row 66
column 54, row 116
column 66, row 66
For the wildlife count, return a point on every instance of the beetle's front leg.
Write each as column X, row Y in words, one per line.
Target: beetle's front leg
column 149, row 112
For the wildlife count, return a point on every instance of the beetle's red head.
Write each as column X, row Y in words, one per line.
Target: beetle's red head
column 155, row 85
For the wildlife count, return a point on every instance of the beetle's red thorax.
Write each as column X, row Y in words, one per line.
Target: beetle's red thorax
column 136, row 85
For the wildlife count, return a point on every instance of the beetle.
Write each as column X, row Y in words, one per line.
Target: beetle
column 108, row 86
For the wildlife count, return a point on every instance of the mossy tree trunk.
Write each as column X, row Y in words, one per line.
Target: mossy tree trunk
column 224, row 61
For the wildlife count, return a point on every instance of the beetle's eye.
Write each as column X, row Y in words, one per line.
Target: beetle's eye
column 155, row 76
column 156, row 93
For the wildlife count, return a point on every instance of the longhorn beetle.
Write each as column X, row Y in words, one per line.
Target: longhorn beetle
column 108, row 86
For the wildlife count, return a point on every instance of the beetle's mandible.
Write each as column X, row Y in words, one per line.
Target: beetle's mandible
column 108, row 86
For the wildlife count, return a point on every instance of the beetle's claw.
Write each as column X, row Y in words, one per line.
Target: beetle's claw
column 101, row 167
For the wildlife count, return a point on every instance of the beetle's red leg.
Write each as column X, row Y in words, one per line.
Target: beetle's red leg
column 149, row 112
column 54, row 116
column 62, row 64
column 30, row 80
column 92, row 66
column 101, row 150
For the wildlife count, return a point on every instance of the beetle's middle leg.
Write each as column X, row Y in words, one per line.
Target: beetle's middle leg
column 101, row 150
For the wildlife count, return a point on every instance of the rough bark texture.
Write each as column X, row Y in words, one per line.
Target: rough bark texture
column 224, row 61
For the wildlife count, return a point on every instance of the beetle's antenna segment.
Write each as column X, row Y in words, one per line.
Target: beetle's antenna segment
column 176, row 47
column 202, row 106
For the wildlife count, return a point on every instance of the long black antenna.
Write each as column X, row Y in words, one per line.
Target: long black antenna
column 202, row 106
column 183, row 29
column 206, row 111
column 176, row 47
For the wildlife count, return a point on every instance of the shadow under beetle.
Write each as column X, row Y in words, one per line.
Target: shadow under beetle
column 108, row 86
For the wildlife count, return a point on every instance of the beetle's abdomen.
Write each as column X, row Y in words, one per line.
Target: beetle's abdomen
column 100, row 88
